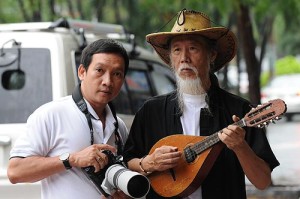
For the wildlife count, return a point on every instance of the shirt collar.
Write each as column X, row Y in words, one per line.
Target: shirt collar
column 109, row 116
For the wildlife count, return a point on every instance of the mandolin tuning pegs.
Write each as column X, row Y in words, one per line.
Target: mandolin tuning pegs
column 260, row 126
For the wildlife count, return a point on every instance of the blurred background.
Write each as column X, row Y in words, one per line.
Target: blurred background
column 267, row 31
column 266, row 65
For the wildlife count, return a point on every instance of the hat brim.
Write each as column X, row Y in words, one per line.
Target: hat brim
column 225, row 44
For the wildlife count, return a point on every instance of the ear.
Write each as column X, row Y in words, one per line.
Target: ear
column 81, row 71
column 213, row 56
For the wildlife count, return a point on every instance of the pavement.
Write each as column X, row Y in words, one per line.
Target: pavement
column 274, row 192
column 284, row 139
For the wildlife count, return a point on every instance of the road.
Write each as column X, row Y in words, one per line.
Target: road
column 284, row 138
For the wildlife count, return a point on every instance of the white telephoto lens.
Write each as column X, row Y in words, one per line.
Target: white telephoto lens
column 130, row 182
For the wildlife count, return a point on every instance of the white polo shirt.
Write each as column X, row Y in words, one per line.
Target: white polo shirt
column 58, row 127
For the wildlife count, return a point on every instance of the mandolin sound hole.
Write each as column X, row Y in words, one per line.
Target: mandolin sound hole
column 189, row 154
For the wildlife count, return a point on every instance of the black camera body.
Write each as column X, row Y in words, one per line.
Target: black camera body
column 115, row 175
column 98, row 177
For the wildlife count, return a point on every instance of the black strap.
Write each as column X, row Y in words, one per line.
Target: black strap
column 78, row 99
column 118, row 140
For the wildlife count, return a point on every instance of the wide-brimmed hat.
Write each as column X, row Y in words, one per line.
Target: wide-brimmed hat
column 191, row 22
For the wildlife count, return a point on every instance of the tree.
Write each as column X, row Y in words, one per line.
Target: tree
column 248, row 46
column 257, row 24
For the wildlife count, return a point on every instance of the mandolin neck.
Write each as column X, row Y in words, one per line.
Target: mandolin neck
column 211, row 140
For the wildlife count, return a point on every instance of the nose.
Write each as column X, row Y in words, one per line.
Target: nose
column 106, row 79
column 185, row 56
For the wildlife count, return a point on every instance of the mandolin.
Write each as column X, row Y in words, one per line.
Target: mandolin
column 200, row 152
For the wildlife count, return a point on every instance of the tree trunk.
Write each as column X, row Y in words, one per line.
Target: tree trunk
column 99, row 4
column 23, row 10
column 51, row 4
column 248, row 46
column 80, row 10
column 36, row 10
column 117, row 12
column 70, row 7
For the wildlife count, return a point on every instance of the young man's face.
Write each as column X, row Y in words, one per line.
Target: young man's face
column 103, row 80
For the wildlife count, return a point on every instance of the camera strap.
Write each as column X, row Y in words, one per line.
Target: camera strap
column 78, row 99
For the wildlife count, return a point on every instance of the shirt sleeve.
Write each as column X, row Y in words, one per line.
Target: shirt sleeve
column 257, row 140
column 123, row 130
column 134, row 144
column 34, row 141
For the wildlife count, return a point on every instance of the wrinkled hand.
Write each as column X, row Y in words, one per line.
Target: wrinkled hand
column 163, row 158
column 91, row 156
column 233, row 136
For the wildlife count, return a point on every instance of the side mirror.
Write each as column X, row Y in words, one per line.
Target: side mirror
column 7, row 58
column 13, row 79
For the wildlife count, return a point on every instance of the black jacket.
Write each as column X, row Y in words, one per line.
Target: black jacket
column 159, row 118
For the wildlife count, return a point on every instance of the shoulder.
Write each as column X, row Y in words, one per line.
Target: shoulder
column 231, row 102
column 161, row 99
column 54, row 108
column 233, row 97
column 55, row 104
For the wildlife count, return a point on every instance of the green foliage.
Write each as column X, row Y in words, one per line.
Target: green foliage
column 9, row 12
column 264, row 79
column 286, row 27
column 142, row 17
column 287, row 65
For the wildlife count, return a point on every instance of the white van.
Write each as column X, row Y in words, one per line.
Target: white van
column 38, row 63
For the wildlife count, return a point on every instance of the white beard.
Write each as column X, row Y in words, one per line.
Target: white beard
column 188, row 86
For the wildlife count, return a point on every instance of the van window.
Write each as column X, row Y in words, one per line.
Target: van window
column 139, row 88
column 136, row 88
column 163, row 79
column 18, row 104
column 144, row 79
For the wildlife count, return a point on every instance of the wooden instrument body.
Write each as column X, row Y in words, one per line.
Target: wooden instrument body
column 187, row 177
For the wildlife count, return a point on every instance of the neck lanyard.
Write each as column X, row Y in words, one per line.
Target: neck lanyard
column 78, row 99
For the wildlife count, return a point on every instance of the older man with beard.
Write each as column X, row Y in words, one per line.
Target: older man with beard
column 199, row 107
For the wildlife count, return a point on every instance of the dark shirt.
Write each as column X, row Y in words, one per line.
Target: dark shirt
column 159, row 117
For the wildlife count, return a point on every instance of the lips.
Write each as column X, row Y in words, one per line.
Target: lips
column 106, row 91
column 186, row 69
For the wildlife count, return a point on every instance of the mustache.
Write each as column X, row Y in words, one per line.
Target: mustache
column 187, row 66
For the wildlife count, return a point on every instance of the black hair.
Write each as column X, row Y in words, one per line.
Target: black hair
column 103, row 46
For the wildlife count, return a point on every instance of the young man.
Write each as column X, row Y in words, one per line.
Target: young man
column 61, row 138
column 199, row 107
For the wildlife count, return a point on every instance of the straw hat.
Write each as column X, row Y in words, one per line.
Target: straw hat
column 196, row 23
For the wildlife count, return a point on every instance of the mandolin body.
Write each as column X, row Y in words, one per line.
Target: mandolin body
column 187, row 177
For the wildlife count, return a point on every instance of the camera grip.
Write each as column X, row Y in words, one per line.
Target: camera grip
column 95, row 178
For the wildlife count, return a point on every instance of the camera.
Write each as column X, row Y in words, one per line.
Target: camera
column 115, row 175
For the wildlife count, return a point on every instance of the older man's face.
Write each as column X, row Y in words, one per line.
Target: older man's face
column 190, row 57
